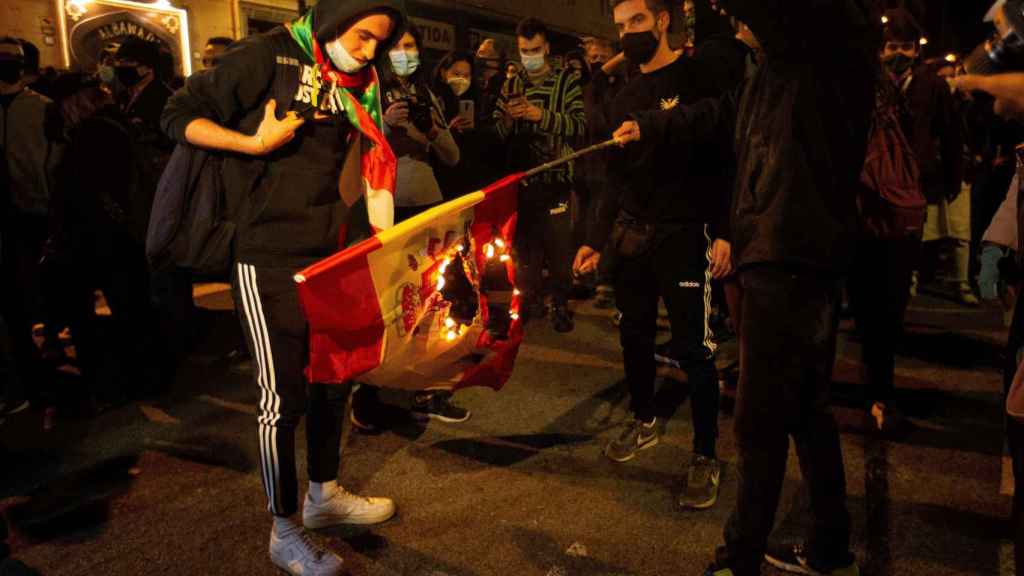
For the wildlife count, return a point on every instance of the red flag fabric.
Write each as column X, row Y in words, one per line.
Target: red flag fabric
column 414, row 307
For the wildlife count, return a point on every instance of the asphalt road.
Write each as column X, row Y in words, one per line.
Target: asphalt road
column 171, row 486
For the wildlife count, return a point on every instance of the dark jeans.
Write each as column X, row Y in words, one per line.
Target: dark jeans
column 787, row 346
column 676, row 270
column 879, row 287
column 544, row 234
column 20, row 291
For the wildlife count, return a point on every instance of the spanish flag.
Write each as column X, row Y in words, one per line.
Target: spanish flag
column 429, row 304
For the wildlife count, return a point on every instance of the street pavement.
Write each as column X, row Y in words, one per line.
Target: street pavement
column 171, row 486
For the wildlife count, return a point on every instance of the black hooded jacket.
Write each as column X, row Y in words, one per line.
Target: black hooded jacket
column 288, row 204
column 799, row 128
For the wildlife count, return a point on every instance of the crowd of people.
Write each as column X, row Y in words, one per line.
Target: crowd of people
column 742, row 187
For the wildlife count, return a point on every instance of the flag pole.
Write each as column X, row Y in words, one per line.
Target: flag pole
column 571, row 157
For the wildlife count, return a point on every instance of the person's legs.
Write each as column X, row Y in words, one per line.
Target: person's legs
column 683, row 267
column 558, row 246
column 637, row 297
column 325, row 414
column 788, row 347
column 636, row 292
column 770, row 363
column 268, row 307
column 530, row 258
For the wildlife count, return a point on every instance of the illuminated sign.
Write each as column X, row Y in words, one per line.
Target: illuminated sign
column 88, row 27
column 436, row 35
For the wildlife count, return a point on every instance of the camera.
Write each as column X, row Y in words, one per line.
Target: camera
column 420, row 115
column 1004, row 52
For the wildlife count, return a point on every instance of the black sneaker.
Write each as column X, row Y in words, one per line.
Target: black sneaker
column 700, row 490
column 439, row 406
column 793, row 559
column 635, row 437
column 365, row 412
column 561, row 319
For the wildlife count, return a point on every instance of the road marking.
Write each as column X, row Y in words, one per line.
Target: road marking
column 154, row 414
column 228, row 405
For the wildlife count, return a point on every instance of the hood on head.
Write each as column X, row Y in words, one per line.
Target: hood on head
column 331, row 17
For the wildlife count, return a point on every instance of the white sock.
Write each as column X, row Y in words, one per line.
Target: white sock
column 285, row 527
column 321, row 491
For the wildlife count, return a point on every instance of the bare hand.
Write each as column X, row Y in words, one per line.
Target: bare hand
column 460, row 123
column 721, row 259
column 273, row 133
column 615, row 64
column 397, row 114
column 628, row 132
column 586, row 261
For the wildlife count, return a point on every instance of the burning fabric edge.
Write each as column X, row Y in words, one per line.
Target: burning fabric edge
column 413, row 307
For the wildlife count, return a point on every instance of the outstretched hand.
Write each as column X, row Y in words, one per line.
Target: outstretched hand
column 273, row 133
column 628, row 132
column 586, row 261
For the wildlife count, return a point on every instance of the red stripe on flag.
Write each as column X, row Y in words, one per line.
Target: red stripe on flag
column 346, row 323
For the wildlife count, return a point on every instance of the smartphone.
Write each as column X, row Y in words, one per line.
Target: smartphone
column 467, row 110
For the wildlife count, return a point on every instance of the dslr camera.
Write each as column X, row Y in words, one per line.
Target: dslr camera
column 420, row 115
column 1004, row 52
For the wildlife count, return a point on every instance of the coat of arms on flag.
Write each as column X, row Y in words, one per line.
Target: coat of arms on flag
column 429, row 304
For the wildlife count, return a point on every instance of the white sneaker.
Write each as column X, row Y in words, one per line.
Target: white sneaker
column 343, row 507
column 300, row 556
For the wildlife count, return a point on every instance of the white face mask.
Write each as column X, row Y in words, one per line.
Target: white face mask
column 533, row 62
column 342, row 59
column 459, row 85
column 405, row 63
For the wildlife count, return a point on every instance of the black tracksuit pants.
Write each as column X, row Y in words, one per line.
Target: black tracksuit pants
column 268, row 305
column 787, row 347
column 544, row 235
column 678, row 270
column 879, row 289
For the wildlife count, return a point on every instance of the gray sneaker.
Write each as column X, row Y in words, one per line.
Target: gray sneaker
column 299, row 555
column 635, row 437
column 700, row 491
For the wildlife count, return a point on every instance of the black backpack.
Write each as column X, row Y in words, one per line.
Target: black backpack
column 189, row 226
column 192, row 225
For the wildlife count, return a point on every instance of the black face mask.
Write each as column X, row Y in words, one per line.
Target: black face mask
column 640, row 47
column 10, row 72
column 128, row 75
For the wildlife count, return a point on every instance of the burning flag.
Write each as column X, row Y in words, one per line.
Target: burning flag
column 414, row 307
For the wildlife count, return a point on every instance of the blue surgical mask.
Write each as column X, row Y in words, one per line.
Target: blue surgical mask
column 342, row 59
column 532, row 62
column 404, row 63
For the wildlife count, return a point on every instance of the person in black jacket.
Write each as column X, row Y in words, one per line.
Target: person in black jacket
column 295, row 178
column 800, row 129
column 669, row 236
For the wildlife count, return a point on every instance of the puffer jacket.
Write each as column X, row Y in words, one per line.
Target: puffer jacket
column 800, row 129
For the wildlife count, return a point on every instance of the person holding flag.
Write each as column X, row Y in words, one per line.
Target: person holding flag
column 297, row 113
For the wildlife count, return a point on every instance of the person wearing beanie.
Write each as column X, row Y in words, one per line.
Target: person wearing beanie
column 936, row 136
column 277, row 104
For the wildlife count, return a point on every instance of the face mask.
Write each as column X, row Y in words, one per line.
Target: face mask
column 128, row 75
column 640, row 47
column 404, row 63
column 459, row 85
column 533, row 62
column 342, row 59
column 10, row 72
column 106, row 74
column 899, row 63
